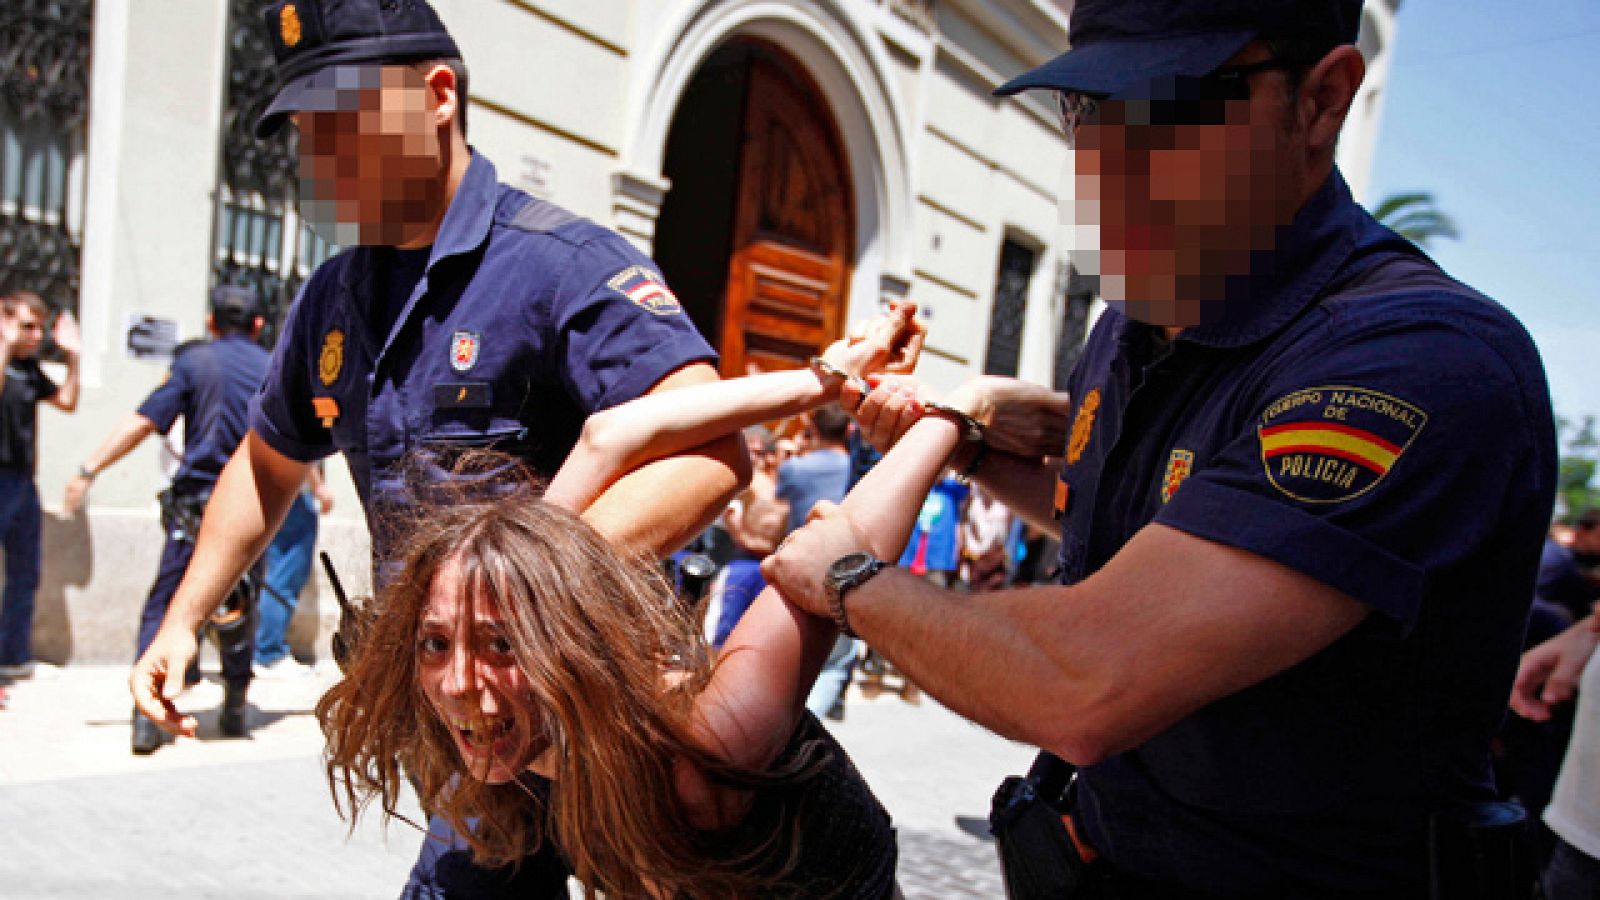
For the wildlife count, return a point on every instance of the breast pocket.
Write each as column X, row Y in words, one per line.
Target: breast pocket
column 467, row 415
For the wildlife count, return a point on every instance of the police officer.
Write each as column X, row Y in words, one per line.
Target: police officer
column 467, row 314
column 209, row 387
column 1302, row 500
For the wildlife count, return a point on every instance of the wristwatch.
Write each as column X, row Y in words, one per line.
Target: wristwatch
column 848, row 572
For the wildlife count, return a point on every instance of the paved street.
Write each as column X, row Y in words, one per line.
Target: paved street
column 84, row 818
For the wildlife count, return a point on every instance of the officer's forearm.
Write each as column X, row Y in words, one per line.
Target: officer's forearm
column 249, row 503
column 1026, row 486
column 130, row 432
column 661, row 505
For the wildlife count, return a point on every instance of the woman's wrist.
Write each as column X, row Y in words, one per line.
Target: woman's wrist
column 828, row 381
column 832, row 377
column 971, row 451
column 970, row 399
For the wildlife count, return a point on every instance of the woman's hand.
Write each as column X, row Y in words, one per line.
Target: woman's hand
column 891, row 343
column 1018, row 417
column 886, row 409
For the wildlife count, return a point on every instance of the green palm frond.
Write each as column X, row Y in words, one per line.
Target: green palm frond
column 1416, row 217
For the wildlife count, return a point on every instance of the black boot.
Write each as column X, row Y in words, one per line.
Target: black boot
column 232, row 721
column 147, row 736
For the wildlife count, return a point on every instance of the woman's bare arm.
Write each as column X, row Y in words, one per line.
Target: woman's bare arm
column 617, row 440
column 753, row 703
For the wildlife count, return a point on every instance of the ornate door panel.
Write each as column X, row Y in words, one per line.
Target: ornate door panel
column 790, row 268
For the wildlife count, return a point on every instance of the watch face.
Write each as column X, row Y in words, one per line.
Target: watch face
column 847, row 566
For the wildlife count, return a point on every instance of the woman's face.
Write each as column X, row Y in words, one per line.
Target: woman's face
column 470, row 675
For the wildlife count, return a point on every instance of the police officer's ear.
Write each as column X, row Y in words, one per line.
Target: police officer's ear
column 1325, row 94
column 440, row 81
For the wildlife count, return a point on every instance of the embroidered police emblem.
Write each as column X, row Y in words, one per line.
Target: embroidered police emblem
column 1179, row 465
column 1332, row 444
column 463, row 350
column 331, row 362
column 1083, row 426
column 289, row 25
column 646, row 289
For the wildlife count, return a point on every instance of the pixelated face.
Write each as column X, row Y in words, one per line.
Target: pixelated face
column 24, row 328
column 469, row 674
column 1166, row 198
column 371, row 160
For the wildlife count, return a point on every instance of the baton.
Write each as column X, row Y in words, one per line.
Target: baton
column 333, row 582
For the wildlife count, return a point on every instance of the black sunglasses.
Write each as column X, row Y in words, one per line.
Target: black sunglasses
column 1178, row 100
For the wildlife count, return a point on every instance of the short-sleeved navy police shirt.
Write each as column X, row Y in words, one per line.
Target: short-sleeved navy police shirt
column 210, row 385
column 526, row 320
column 1359, row 417
column 26, row 385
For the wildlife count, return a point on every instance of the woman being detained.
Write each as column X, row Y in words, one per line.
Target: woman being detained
column 517, row 641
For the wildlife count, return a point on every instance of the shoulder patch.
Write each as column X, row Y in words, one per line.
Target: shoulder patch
column 646, row 289
column 1334, row 443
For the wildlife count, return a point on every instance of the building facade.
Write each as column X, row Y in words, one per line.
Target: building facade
column 791, row 164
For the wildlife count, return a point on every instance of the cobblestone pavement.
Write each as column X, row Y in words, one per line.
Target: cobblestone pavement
column 84, row 818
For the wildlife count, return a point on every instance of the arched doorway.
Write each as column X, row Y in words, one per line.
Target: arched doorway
column 756, row 234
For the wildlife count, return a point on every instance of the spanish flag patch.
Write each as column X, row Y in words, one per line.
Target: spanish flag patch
column 1334, row 443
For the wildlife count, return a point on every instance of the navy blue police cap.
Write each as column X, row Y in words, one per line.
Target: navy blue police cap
column 235, row 304
column 1122, row 45
column 326, row 47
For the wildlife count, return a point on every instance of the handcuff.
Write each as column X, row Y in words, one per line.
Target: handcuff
column 972, row 432
column 823, row 367
column 971, row 429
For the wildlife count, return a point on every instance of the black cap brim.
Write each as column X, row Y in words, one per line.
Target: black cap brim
column 1107, row 67
column 328, row 89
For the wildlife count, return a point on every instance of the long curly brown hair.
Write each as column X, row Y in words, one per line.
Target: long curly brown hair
column 614, row 665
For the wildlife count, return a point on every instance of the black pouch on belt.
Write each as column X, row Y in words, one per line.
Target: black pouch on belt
column 181, row 511
column 1480, row 852
column 1038, row 858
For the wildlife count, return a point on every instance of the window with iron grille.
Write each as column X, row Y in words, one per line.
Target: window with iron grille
column 1010, row 310
column 1074, row 326
column 44, row 99
column 261, row 241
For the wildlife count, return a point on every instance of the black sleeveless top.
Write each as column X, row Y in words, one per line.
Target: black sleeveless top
column 847, row 848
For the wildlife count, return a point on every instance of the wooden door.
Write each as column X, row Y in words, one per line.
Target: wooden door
column 790, row 268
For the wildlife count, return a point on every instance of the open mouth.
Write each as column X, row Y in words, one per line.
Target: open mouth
column 482, row 734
